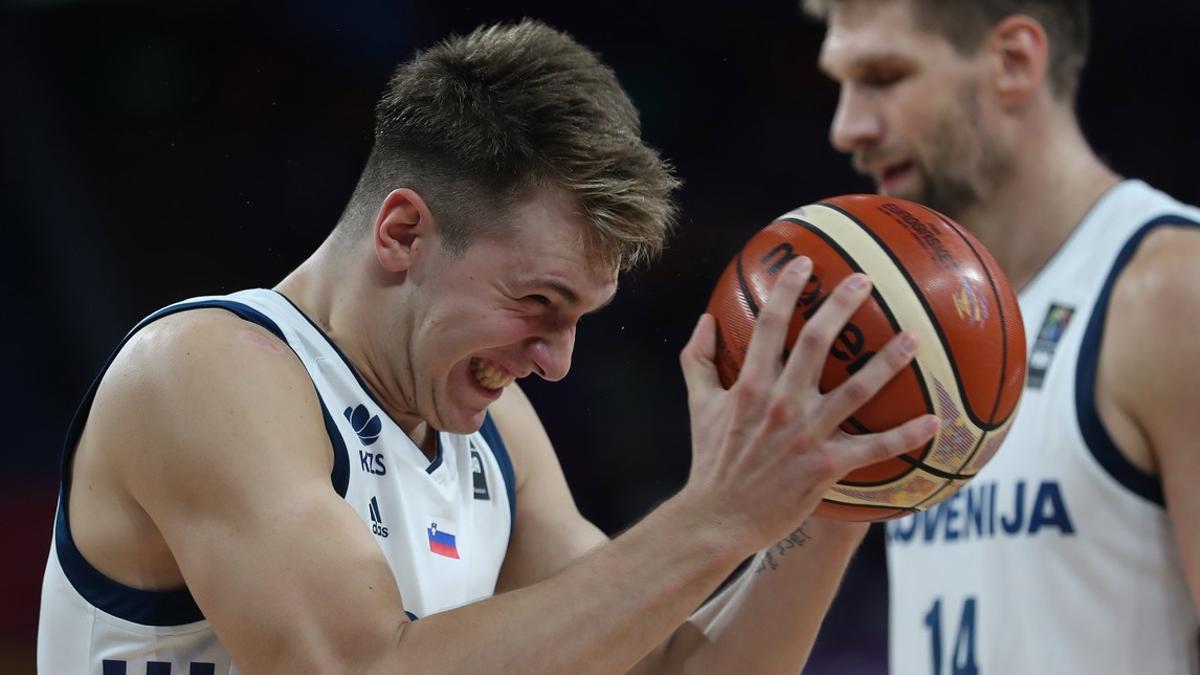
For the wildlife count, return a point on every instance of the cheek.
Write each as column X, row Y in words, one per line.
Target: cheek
column 957, row 144
column 923, row 125
column 489, row 332
column 507, row 331
column 939, row 137
column 918, row 108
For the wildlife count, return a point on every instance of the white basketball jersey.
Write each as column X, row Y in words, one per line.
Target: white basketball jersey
column 1058, row 557
column 443, row 525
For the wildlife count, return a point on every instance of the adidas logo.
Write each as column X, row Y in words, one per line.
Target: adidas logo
column 366, row 425
column 377, row 519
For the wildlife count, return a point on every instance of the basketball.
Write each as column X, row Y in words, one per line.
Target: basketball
column 930, row 277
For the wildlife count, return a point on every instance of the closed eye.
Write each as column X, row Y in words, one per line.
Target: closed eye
column 882, row 80
column 882, row 76
column 537, row 298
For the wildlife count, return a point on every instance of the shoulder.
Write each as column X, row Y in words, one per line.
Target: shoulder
column 1166, row 250
column 1160, row 286
column 200, row 329
column 1150, row 333
column 200, row 385
column 198, row 355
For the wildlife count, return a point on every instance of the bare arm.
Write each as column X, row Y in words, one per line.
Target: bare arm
column 765, row 621
column 1150, row 370
column 232, row 464
column 229, row 456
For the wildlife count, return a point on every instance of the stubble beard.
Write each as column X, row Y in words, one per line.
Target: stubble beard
column 963, row 163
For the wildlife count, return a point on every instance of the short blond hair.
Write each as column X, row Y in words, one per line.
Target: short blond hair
column 475, row 124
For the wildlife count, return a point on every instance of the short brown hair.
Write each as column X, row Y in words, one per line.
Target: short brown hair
column 476, row 123
column 965, row 23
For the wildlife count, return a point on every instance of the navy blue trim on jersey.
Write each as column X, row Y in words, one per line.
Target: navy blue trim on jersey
column 492, row 435
column 150, row 608
column 341, row 455
column 437, row 461
column 154, row 608
column 1095, row 435
column 76, row 427
column 410, row 615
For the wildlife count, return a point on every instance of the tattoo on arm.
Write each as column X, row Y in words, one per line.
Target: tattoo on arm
column 771, row 556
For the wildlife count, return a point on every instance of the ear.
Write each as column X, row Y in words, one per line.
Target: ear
column 403, row 226
column 1020, row 54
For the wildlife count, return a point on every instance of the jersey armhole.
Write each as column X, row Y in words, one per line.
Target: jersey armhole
column 156, row 608
column 1097, row 439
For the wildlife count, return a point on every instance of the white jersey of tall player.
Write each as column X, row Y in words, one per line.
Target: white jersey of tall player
column 443, row 525
column 1058, row 557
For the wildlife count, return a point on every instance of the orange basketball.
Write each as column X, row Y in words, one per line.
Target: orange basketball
column 930, row 277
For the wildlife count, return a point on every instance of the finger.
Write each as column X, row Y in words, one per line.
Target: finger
column 855, row 392
column 697, row 357
column 853, row 451
column 811, row 350
column 765, row 352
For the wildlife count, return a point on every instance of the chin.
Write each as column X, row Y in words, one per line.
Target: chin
column 911, row 189
column 462, row 421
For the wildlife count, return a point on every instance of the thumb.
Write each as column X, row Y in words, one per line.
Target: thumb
column 697, row 357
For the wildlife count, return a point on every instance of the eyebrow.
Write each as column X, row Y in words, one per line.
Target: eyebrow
column 865, row 61
column 570, row 296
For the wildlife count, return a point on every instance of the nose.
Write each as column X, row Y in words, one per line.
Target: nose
column 551, row 353
column 856, row 124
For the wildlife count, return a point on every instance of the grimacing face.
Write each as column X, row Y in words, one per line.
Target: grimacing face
column 505, row 308
column 911, row 110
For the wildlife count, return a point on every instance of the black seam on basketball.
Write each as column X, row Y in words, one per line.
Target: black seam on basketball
column 858, row 426
column 933, row 318
column 975, row 450
column 913, row 463
column 916, row 465
column 1003, row 342
column 883, row 306
column 933, row 470
column 861, row 428
column 999, row 309
column 878, row 483
column 879, row 507
column 747, row 295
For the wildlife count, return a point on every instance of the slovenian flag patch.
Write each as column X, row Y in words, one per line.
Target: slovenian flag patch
column 441, row 542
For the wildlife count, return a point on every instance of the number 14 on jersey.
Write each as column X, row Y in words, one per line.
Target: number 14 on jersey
column 962, row 661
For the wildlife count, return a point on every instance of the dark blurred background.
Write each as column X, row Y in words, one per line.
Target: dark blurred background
column 156, row 151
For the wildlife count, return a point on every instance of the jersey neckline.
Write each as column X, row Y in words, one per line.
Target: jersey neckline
column 439, row 455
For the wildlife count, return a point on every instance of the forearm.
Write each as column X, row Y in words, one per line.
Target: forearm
column 767, row 620
column 599, row 615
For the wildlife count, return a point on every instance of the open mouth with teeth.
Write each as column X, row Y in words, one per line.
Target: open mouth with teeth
column 893, row 174
column 490, row 375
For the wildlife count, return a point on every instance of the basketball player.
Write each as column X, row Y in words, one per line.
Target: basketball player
column 1076, row 549
column 340, row 475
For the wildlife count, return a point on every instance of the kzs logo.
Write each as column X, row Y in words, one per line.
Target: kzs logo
column 366, row 425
